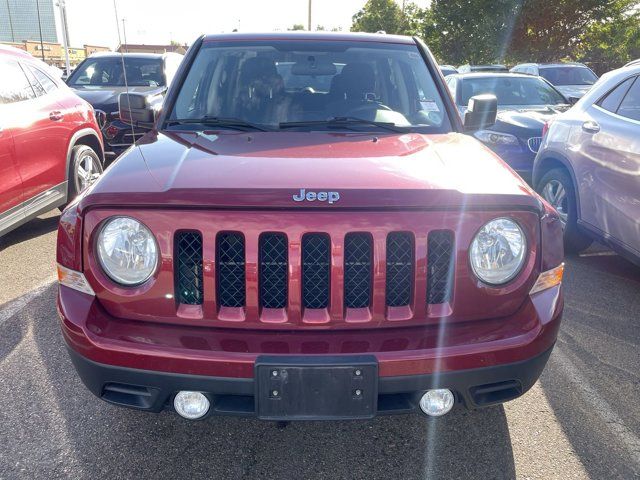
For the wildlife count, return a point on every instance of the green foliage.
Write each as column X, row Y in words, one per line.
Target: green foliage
column 379, row 15
column 296, row 27
column 602, row 33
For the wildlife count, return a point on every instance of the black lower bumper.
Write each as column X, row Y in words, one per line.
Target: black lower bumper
column 154, row 391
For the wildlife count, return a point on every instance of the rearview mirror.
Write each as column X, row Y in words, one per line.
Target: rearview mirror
column 139, row 109
column 481, row 112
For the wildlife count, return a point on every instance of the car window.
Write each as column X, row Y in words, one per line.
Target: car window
column 512, row 90
column 46, row 82
column 37, row 87
column 107, row 71
column 292, row 81
column 14, row 86
column 612, row 100
column 569, row 75
column 630, row 106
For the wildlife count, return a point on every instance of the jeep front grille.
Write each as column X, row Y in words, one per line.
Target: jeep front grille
column 231, row 269
column 268, row 270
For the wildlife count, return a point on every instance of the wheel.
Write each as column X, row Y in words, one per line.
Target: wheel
column 556, row 188
column 85, row 169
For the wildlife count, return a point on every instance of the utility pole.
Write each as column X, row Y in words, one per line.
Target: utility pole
column 124, row 34
column 40, row 28
column 309, row 19
column 13, row 37
column 65, row 34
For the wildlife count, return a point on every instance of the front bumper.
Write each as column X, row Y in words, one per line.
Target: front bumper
column 154, row 391
column 144, row 364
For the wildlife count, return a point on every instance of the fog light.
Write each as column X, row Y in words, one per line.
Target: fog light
column 191, row 405
column 436, row 403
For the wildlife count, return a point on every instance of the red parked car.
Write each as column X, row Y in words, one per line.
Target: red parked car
column 50, row 143
column 306, row 233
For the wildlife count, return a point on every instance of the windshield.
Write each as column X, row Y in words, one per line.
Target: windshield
column 107, row 71
column 512, row 90
column 271, row 83
column 569, row 75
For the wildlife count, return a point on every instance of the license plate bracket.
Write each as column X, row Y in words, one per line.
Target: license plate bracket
column 316, row 387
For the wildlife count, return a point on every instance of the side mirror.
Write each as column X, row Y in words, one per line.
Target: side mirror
column 481, row 112
column 139, row 109
column 573, row 100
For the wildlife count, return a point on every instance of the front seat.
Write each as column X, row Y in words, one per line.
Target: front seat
column 353, row 87
column 261, row 96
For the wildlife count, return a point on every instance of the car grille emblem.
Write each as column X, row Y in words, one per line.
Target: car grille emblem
column 310, row 196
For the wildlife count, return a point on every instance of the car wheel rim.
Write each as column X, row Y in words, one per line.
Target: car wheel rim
column 86, row 173
column 555, row 193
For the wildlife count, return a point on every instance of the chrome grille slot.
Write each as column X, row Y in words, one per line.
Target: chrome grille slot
column 316, row 264
column 358, row 271
column 230, row 256
column 399, row 269
column 440, row 266
column 273, row 270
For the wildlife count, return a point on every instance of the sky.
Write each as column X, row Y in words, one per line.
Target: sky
column 93, row 22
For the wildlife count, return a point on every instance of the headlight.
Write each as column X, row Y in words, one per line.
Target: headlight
column 127, row 250
column 495, row 138
column 498, row 251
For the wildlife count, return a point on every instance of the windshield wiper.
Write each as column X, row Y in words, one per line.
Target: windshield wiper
column 343, row 122
column 211, row 121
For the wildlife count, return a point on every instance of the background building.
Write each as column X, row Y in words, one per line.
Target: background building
column 19, row 21
column 54, row 52
column 142, row 48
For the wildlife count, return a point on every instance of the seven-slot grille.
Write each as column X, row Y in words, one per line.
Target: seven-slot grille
column 315, row 261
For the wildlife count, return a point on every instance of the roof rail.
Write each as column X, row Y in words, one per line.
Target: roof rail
column 633, row 62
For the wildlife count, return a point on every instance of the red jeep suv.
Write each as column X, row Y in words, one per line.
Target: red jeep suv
column 50, row 143
column 306, row 233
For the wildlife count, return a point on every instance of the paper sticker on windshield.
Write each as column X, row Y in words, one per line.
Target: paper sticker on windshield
column 429, row 106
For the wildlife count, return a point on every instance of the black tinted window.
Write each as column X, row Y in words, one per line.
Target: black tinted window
column 569, row 75
column 107, row 71
column 612, row 100
column 14, row 86
column 630, row 106
column 512, row 90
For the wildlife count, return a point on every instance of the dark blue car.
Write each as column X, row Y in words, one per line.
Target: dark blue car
column 525, row 104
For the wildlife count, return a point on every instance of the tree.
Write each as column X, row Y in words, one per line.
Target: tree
column 378, row 15
column 296, row 27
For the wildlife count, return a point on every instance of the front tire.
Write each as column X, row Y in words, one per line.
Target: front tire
column 85, row 168
column 556, row 188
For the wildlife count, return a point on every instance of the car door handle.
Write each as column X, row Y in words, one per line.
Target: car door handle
column 590, row 126
column 56, row 116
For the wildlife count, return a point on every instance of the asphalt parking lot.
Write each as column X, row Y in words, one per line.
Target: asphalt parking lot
column 581, row 420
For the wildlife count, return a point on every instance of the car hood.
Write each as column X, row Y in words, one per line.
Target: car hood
column 106, row 98
column 526, row 122
column 265, row 170
column 573, row 90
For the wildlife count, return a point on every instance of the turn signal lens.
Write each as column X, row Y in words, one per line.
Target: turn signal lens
column 72, row 279
column 548, row 279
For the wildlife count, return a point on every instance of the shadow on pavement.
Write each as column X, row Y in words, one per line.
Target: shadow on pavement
column 32, row 229
column 62, row 430
column 592, row 380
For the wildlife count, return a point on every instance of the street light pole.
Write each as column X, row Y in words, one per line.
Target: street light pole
column 309, row 19
column 65, row 35
column 40, row 28
column 13, row 37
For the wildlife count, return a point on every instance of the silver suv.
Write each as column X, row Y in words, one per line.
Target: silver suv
column 572, row 79
column 588, row 166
